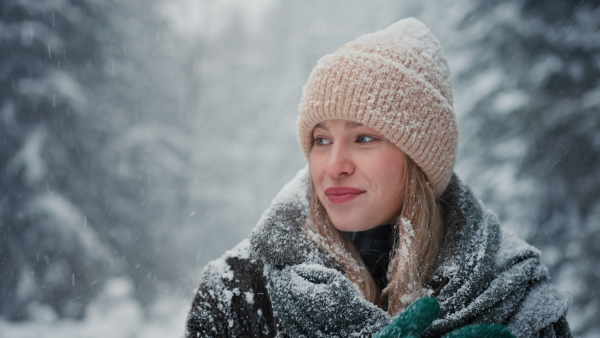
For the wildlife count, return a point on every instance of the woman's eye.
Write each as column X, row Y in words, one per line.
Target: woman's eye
column 320, row 141
column 365, row 139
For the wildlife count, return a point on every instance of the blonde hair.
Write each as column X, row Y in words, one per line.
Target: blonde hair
column 418, row 236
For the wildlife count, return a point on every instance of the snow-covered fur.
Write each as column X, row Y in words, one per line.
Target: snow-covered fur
column 278, row 283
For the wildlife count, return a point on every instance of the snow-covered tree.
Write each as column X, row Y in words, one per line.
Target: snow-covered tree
column 93, row 152
column 528, row 82
column 49, row 252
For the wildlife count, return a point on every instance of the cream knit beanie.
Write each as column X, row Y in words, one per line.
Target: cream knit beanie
column 395, row 81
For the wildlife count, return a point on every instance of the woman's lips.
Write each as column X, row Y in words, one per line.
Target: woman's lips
column 342, row 194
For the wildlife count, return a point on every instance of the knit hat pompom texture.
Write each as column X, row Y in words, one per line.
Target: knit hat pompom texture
column 395, row 81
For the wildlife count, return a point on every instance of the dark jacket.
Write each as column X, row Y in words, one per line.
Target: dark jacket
column 278, row 283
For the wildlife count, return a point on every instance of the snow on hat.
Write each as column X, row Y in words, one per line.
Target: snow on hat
column 396, row 81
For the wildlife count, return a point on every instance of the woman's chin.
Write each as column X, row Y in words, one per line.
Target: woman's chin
column 352, row 226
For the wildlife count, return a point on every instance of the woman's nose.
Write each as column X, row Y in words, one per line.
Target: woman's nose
column 339, row 162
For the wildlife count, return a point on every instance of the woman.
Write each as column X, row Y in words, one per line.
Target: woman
column 378, row 219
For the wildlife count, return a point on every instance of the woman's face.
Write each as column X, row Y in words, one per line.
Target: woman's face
column 357, row 173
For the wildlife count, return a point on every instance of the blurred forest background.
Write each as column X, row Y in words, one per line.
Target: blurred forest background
column 141, row 139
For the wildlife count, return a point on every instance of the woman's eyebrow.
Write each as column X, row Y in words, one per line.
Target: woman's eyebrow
column 352, row 125
column 322, row 126
column 347, row 125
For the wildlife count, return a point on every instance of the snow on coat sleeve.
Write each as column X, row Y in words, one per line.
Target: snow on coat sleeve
column 232, row 299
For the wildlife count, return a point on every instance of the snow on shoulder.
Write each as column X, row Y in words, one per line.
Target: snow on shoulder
column 292, row 192
column 279, row 237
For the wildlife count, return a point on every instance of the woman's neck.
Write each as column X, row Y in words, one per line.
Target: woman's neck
column 375, row 247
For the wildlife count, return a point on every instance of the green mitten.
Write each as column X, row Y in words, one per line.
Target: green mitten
column 413, row 321
column 481, row 331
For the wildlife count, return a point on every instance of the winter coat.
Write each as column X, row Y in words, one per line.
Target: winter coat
column 279, row 283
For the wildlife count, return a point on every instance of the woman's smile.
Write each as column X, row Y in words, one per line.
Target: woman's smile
column 342, row 194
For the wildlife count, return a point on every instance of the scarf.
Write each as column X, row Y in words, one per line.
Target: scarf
column 486, row 273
